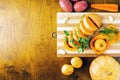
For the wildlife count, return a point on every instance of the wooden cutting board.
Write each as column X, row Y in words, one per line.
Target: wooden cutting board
column 66, row 21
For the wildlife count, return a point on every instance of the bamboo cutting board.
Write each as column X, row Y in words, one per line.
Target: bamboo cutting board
column 66, row 21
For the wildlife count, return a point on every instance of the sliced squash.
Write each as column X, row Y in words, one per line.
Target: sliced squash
column 66, row 45
column 80, row 33
column 84, row 30
column 96, row 19
column 89, row 24
column 112, row 38
column 75, row 37
column 119, row 35
column 94, row 39
column 109, row 26
column 70, row 43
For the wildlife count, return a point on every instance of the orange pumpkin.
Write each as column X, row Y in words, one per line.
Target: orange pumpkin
column 104, row 68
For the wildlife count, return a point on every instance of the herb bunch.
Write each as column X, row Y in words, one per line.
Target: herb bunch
column 84, row 44
column 108, row 31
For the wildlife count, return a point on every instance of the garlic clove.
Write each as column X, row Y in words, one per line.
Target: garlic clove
column 62, row 51
column 110, row 18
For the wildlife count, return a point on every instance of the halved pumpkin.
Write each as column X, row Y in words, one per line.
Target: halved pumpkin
column 84, row 30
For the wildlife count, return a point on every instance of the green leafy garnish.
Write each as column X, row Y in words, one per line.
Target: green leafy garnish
column 74, row 43
column 84, row 44
column 108, row 31
column 66, row 39
column 66, row 33
column 80, row 50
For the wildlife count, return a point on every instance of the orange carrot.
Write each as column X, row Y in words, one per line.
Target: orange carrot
column 106, row 7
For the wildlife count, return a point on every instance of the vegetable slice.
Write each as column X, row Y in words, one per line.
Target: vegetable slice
column 119, row 35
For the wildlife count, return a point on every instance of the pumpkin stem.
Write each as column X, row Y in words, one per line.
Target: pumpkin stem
column 109, row 73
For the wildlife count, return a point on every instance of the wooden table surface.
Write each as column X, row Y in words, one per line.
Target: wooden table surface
column 27, row 50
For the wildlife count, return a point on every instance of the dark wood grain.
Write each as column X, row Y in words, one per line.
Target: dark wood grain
column 27, row 50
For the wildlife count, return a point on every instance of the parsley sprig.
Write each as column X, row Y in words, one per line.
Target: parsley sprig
column 108, row 31
column 66, row 33
column 74, row 43
column 84, row 44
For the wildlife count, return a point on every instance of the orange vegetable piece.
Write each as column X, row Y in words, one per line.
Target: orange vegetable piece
column 68, row 47
column 99, row 36
column 106, row 7
column 119, row 35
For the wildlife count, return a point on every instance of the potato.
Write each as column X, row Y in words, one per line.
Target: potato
column 74, row 0
column 80, row 6
column 66, row 5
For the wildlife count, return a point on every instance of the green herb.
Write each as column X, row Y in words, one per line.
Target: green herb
column 66, row 39
column 84, row 44
column 108, row 31
column 66, row 33
column 74, row 43
column 80, row 50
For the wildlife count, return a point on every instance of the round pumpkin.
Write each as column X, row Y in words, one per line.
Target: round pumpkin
column 76, row 62
column 67, row 69
column 105, row 68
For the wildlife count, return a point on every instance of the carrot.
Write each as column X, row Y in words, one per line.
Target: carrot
column 106, row 7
